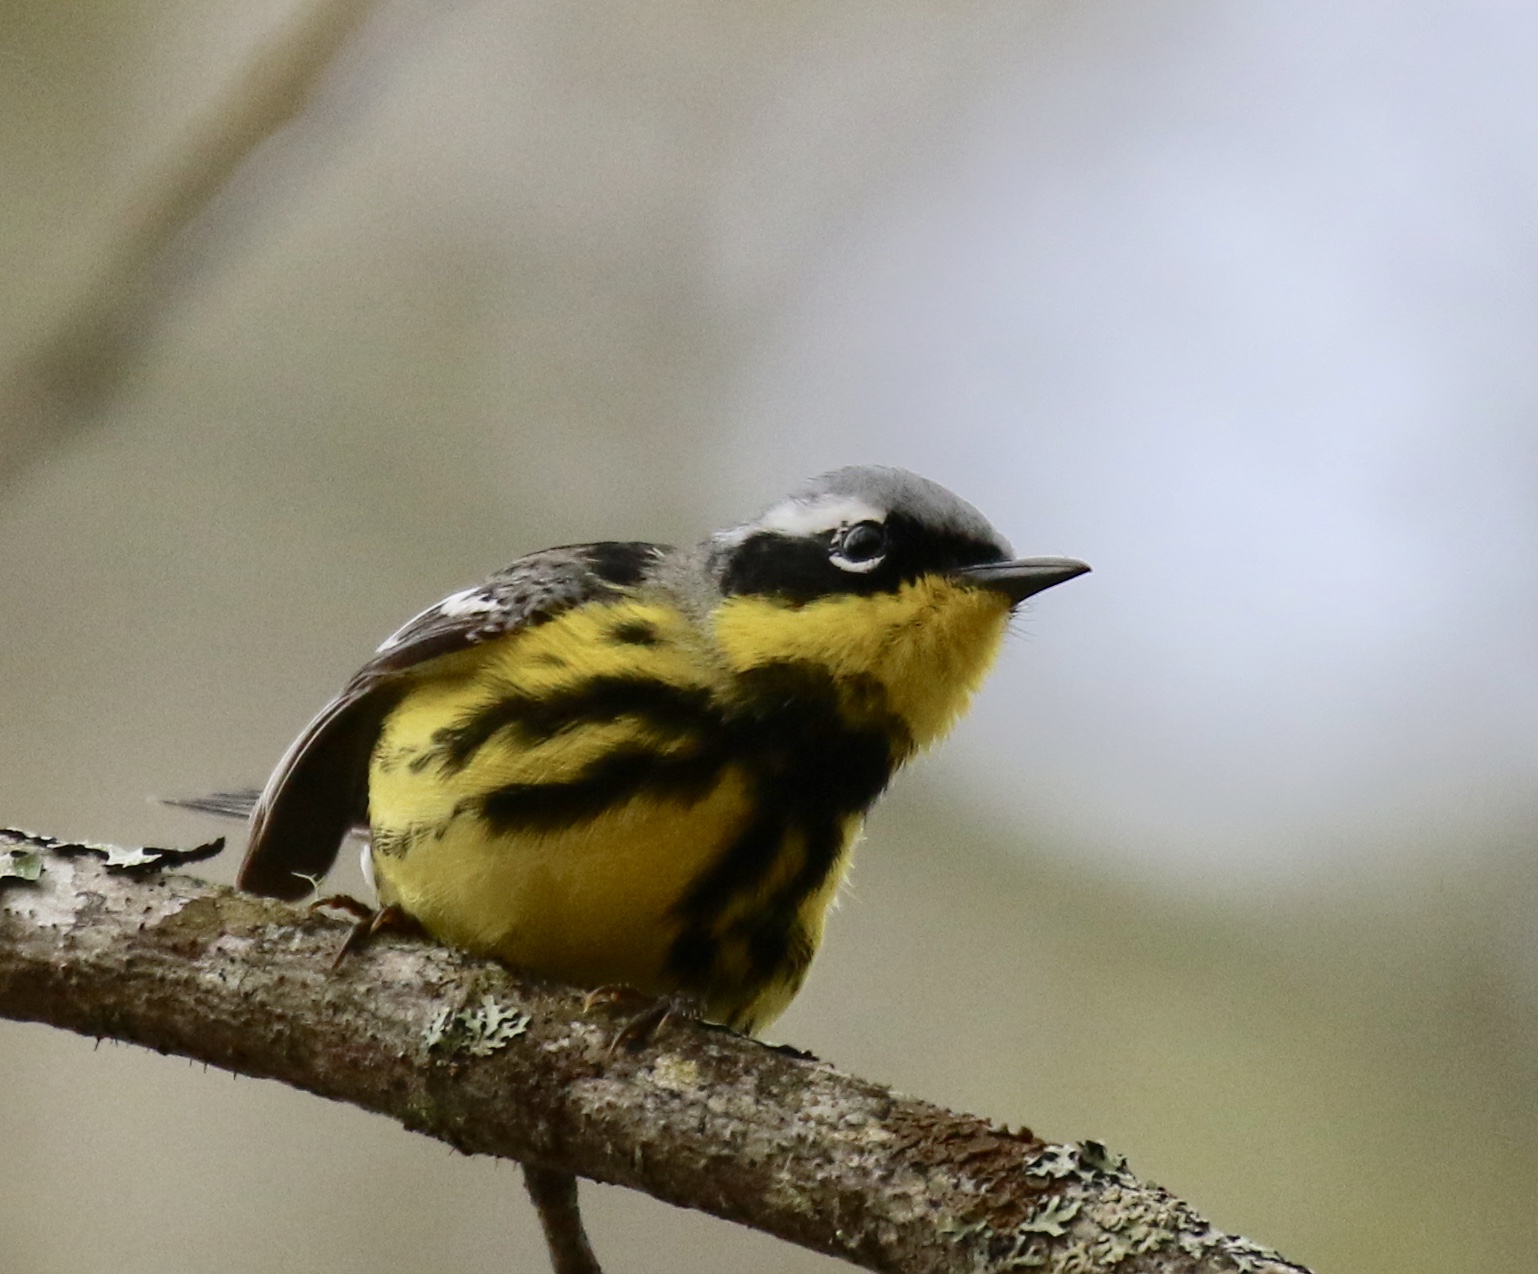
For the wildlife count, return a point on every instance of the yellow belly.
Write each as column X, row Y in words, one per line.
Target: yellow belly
column 592, row 904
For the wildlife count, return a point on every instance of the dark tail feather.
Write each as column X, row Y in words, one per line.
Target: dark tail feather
column 237, row 805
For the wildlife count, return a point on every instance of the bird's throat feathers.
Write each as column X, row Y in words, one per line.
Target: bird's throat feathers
column 927, row 646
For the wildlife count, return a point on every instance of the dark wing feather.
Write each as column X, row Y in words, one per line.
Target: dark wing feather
column 319, row 790
column 317, row 793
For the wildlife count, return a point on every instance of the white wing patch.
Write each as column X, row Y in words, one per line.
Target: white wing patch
column 468, row 601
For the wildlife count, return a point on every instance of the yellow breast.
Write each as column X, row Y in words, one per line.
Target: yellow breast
column 602, row 798
column 927, row 646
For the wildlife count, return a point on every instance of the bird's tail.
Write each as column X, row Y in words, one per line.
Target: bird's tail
column 236, row 805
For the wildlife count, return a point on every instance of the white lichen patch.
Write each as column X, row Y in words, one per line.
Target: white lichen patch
column 50, row 901
column 676, row 1074
column 62, row 890
column 869, row 1134
column 395, row 965
column 826, row 1109
column 233, row 945
column 479, row 1030
column 115, row 857
column 1102, row 1216
column 124, row 855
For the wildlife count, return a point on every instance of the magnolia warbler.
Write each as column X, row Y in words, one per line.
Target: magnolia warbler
column 626, row 763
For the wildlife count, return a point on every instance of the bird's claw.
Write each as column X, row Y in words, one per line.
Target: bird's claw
column 654, row 1013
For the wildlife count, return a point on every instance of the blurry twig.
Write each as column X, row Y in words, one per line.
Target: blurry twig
column 79, row 353
column 555, row 1199
column 462, row 1050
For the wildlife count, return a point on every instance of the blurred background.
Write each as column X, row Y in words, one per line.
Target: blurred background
column 314, row 312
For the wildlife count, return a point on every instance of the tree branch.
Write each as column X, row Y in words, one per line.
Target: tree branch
column 461, row 1049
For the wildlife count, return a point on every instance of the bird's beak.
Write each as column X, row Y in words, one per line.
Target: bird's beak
column 1022, row 578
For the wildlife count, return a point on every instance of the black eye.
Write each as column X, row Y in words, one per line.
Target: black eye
column 861, row 545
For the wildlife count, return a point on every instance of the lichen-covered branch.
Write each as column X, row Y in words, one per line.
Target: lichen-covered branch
column 463, row 1050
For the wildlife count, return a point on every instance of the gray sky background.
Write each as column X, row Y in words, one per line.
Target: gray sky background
column 1246, row 317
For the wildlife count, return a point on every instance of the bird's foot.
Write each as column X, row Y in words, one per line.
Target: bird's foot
column 368, row 921
column 343, row 902
column 653, row 1013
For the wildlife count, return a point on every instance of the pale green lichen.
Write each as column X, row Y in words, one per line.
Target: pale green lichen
column 479, row 1030
column 1055, row 1162
column 20, row 864
column 1052, row 1217
column 1098, row 1158
column 1108, row 1217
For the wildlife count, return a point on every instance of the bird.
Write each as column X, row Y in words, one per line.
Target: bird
column 625, row 764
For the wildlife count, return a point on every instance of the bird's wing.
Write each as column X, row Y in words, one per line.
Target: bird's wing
column 319, row 790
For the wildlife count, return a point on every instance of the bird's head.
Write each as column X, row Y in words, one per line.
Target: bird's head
column 881, row 580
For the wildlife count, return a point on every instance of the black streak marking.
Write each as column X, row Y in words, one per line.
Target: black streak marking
column 636, row 632
column 621, row 563
column 606, row 784
column 665, row 708
column 394, row 842
column 812, row 770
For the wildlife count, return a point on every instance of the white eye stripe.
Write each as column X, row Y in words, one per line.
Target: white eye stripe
column 805, row 518
column 817, row 517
